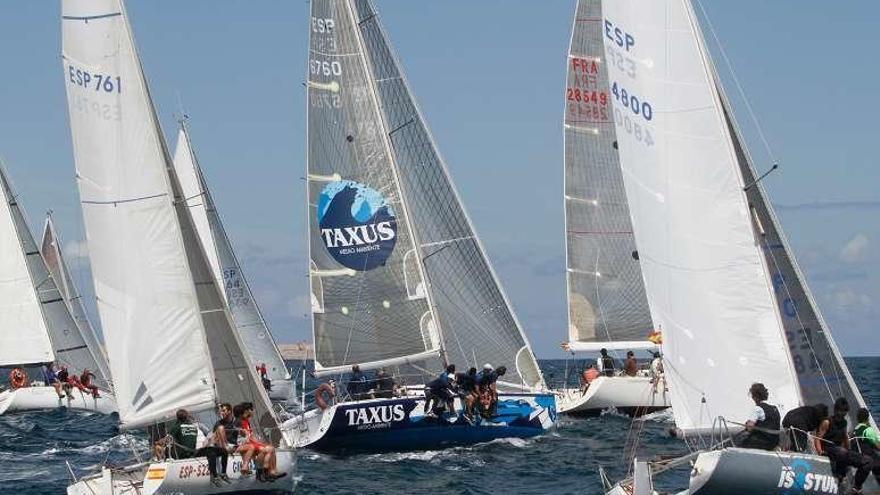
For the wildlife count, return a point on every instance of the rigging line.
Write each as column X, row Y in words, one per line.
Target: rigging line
column 736, row 82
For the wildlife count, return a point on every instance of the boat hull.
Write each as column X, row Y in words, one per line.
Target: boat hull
column 42, row 398
column 631, row 395
column 723, row 472
column 189, row 476
column 399, row 424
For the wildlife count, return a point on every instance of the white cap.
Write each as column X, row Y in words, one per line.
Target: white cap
column 488, row 367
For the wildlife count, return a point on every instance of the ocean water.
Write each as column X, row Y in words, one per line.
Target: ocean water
column 35, row 450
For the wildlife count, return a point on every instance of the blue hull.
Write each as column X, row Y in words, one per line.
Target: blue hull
column 400, row 425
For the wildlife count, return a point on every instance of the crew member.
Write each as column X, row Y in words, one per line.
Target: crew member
column 357, row 383
column 833, row 442
column 631, row 367
column 589, row 374
column 265, row 453
column 801, row 422
column 605, row 364
column 762, row 428
column 866, row 441
column 86, row 381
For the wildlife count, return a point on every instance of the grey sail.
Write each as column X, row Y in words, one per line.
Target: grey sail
column 369, row 301
column 606, row 293
column 476, row 322
column 67, row 342
column 50, row 247
column 822, row 375
column 249, row 321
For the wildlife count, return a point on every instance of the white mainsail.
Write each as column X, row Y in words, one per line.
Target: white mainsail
column 705, row 275
column 24, row 336
column 249, row 321
column 170, row 339
column 50, row 248
column 607, row 306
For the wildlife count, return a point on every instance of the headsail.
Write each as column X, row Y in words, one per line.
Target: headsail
column 50, row 248
column 369, row 301
column 607, row 306
column 171, row 342
column 822, row 375
column 473, row 312
column 24, row 336
column 249, row 321
column 704, row 272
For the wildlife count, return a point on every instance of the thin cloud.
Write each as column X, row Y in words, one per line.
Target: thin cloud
column 855, row 250
column 831, row 205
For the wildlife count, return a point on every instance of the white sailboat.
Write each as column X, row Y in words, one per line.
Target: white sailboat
column 249, row 321
column 607, row 305
column 719, row 275
column 170, row 337
column 36, row 324
column 399, row 279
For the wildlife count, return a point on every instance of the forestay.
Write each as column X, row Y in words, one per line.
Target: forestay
column 171, row 342
column 249, row 321
column 704, row 272
column 24, row 337
column 607, row 306
column 369, row 300
column 50, row 248
column 475, row 318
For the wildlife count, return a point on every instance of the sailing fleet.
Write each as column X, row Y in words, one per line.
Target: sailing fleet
column 672, row 247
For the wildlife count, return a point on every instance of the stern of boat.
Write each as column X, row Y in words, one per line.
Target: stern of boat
column 42, row 398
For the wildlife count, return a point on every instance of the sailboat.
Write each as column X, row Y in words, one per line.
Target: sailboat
column 249, row 321
column 607, row 305
column 37, row 325
column 719, row 274
column 399, row 279
column 170, row 337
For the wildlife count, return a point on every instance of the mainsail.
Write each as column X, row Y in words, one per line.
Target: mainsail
column 24, row 336
column 370, row 303
column 472, row 311
column 50, row 248
column 705, row 275
column 171, row 341
column 607, row 306
column 249, row 321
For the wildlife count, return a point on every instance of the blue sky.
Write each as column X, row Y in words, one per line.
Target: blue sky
column 489, row 76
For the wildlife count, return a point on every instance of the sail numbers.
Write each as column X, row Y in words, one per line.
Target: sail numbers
column 325, row 67
column 631, row 101
column 89, row 80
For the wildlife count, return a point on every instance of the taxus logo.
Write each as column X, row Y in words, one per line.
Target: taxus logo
column 375, row 416
column 799, row 478
column 358, row 226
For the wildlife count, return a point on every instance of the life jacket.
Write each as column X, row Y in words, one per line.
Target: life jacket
column 770, row 422
column 862, row 444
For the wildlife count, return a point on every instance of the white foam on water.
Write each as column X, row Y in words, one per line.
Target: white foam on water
column 662, row 416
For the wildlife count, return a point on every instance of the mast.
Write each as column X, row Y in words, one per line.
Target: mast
column 607, row 306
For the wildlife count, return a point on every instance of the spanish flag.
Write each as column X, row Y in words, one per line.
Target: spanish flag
column 656, row 336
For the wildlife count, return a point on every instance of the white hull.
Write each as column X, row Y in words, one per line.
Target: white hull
column 186, row 476
column 41, row 398
column 634, row 395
